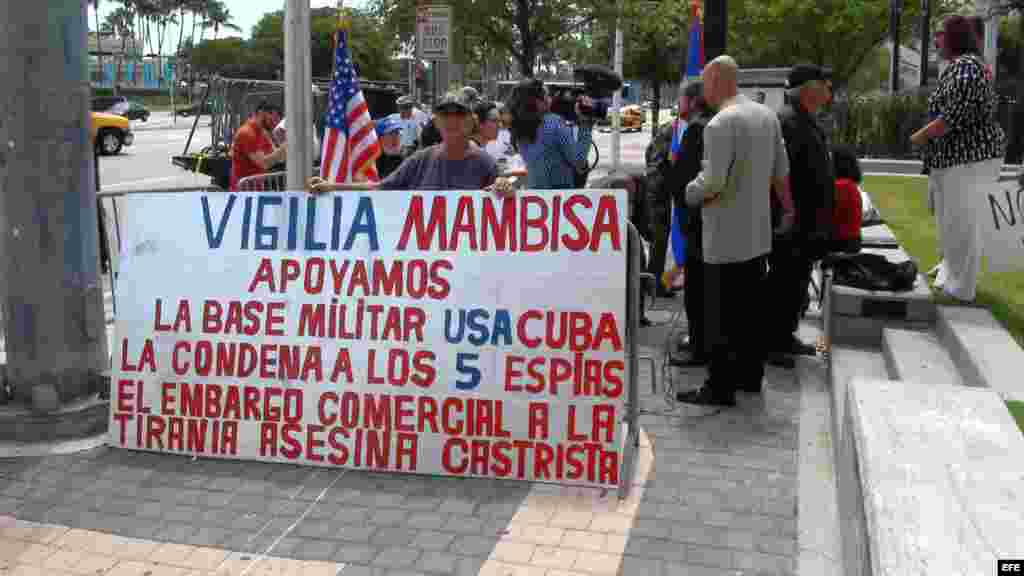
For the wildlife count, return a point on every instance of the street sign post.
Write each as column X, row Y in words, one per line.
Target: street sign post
column 433, row 31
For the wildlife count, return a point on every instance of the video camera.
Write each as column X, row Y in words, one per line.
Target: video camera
column 599, row 83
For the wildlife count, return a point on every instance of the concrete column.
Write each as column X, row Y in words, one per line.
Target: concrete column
column 50, row 284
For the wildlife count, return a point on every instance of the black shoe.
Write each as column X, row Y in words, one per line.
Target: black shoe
column 689, row 361
column 781, row 361
column 705, row 396
column 645, row 322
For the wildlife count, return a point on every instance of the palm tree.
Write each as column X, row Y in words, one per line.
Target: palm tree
column 220, row 17
column 119, row 23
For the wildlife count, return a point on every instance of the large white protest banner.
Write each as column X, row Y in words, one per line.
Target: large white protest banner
column 1002, row 218
column 439, row 333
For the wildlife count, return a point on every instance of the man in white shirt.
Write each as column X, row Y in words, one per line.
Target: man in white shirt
column 412, row 121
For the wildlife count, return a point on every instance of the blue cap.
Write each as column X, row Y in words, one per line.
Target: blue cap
column 387, row 125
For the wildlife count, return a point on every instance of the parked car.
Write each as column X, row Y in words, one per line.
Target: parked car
column 121, row 106
column 110, row 133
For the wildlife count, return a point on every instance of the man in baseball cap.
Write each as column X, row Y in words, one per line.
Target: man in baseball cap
column 812, row 185
column 412, row 120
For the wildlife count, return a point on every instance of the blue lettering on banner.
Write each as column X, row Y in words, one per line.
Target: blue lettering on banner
column 474, row 327
column 262, row 235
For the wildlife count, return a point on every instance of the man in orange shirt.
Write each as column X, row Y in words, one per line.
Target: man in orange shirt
column 252, row 150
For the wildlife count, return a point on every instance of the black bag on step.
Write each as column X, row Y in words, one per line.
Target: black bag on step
column 874, row 272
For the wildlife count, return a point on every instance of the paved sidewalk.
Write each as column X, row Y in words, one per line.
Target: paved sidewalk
column 715, row 494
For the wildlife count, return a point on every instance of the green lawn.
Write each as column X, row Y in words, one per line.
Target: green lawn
column 1017, row 409
column 903, row 203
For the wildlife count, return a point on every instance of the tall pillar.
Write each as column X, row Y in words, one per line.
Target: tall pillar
column 50, row 284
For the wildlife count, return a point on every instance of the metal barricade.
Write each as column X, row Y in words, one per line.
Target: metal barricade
column 635, row 269
column 269, row 182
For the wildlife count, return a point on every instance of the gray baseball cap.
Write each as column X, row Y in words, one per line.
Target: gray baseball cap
column 452, row 102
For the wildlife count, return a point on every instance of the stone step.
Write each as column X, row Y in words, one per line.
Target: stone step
column 914, row 305
column 917, row 356
column 983, row 351
column 929, row 476
column 846, row 363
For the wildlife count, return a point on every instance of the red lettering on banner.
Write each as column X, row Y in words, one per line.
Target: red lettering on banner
column 504, row 234
column 582, row 238
column 313, row 279
column 523, row 459
column 538, row 421
column 122, row 418
column 147, row 358
column 232, row 404
column 465, row 223
column 313, row 442
column 124, row 394
column 339, row 450
column 251, row 401
column 435, row 229
column 520, row 218
column 574, row 330
column 154, row 432
column 526, row 223
column 588, row 377
column 327, row 399
column 403, row 413
column 439, row 286
column 290, row 270
column 264, row 275
column 342, row 365
column 212, row 406
column 167, row 398
column 183, row 319
column 268, row 439
column 292, row 448
column 606, row 222
column 360, row 278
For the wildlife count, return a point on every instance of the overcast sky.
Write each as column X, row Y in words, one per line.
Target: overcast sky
column 245, row 13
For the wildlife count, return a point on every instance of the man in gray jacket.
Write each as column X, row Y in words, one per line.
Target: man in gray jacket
column 744, row 160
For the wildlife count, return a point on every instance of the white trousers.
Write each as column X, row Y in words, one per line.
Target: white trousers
column 959, row 194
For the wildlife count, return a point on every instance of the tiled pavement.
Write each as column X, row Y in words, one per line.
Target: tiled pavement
column 715, row 494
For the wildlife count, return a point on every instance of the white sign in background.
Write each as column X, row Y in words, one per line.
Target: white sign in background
column 432, row 29
column 219, row 367
column 1002, row 217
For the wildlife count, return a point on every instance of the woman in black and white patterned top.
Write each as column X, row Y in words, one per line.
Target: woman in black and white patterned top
column 964, row 147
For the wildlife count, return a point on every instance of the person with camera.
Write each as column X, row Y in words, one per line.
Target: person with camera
column 555, row 158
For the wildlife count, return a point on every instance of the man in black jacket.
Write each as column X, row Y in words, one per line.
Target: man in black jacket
column 690, row 165
column 812, row 185
column 666, row 181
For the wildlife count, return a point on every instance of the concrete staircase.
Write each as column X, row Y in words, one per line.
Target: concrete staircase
column 930, row 464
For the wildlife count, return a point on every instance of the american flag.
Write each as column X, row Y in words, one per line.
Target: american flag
column 350, row 147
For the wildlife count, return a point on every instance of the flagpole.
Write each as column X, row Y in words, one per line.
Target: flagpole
column 617, row 97
column 298, row 92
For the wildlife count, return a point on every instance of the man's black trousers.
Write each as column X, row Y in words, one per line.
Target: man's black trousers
column 693, row 294
column 734, row 324
column 788, row 278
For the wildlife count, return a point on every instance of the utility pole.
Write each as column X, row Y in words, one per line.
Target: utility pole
column 51, row 289
column 716, row 29
column 617, row 98
column 298, row 94
column 926, row 39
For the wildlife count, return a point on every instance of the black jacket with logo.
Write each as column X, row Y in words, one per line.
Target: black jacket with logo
column 811, row 175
